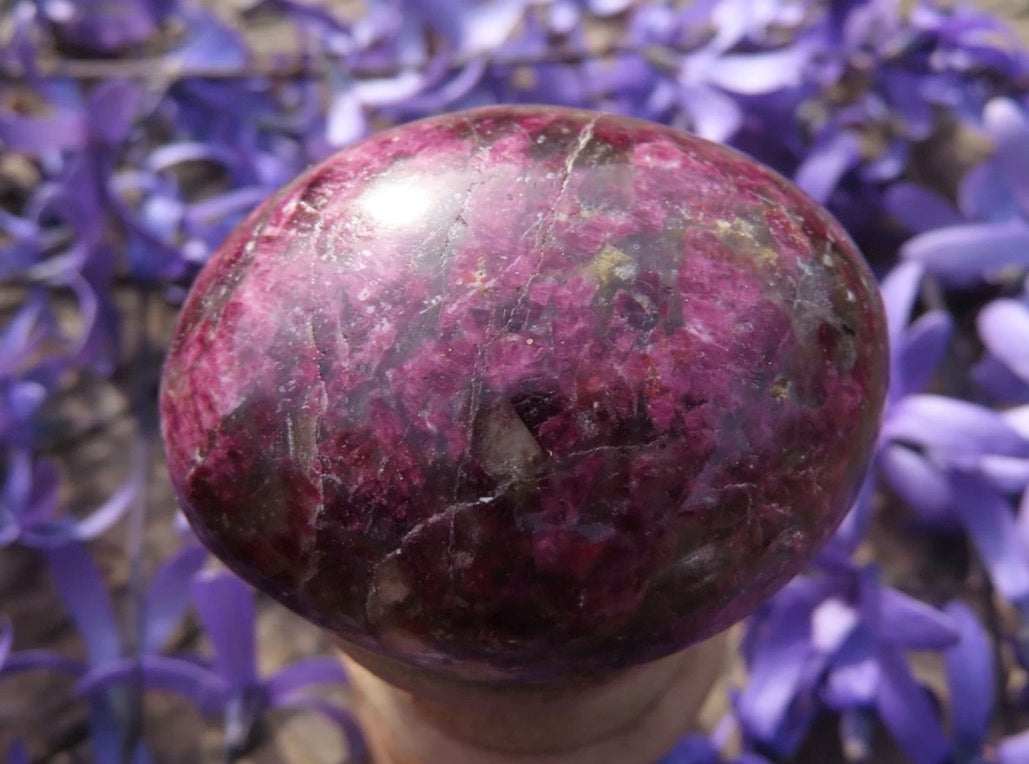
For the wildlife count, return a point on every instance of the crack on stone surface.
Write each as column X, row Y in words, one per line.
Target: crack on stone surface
column 476, row 382
column 310, row 551
column 545, row 226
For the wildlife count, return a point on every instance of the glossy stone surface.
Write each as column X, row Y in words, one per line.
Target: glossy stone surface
column 526, row 392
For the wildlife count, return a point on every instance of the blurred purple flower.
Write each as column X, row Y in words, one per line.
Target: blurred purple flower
column 994, row 200
column 6, row 639
column 114, row 711
column 29, row 505
column 47, row 121
column 17, row 753
column 209, row 45
column 970, row 679
column 1003, row 372
column 951, row 461
column 104, row 26
column 837, row 639
column 229, row 685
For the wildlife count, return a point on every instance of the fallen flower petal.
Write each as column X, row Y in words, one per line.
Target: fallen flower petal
column 965, row 254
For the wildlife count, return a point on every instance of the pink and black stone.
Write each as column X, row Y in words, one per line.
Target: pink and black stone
column 526, row 392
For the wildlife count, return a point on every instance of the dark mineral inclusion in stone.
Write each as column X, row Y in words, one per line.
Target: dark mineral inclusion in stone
column 526, row 392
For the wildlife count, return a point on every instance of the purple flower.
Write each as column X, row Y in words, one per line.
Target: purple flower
column 952, row 461
column 1003, row 372
column 837, row 639
column 30, row 500
column 113, row 711
column 6, row 639
column 994, row 199
column 104, row 26
column 970, row 675
column 229, row 684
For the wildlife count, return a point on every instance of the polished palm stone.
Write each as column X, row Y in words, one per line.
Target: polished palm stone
column 526, row 392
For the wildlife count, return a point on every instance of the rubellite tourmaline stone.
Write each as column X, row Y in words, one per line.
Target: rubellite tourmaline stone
column 526, row 392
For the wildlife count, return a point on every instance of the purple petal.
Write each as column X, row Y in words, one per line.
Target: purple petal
column 453, row 90
column 921, row 349
column 970, row 671
column 46, row 660
column 19, row 479
column 167, row 156
column 965, row 254
column 903, row 90
column 983, row 194
column 854, row 528
column 105, row 735
column 345, row 121
column 910, row 623
column 444, row 16
column 832, row 622
column 991, row 527
column 899, row 289
column 24, row 399
column 780, row 650
column 1008, row 125
column 1008, row 474
column 608, row 7
column 108, row 513
column 1018, row 419
column 759, row 73
column 954, row 426
column 1014, row 749
column 997, row 380
column 826, row 164
column 21, row 335
column 17, row 753
column 25, row 134
column 1022, row 520
column 168, row 595
column 105, row 27
column 215, row 209
column 713, row 115
column 486, row 25
column 922, row 485
column 920, row 209
column 382, row 91
column 10, row 530
column 302, row 674
column 905, row 709
column 113, row 108
column 210, row 45
column 84, row 593
column 42, row 532
column 692, row 749
column 1004, row 328
column 6, row 639
column 200, row 685
column 226, row 608
column 853, row 677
